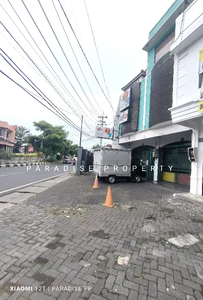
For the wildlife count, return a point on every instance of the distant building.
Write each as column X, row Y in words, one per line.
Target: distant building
column 28, row 147
column 7, row 136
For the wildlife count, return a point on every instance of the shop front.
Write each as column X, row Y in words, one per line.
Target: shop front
column 176, row 167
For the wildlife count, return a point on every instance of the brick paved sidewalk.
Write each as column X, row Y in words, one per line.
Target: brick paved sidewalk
column 63, row 240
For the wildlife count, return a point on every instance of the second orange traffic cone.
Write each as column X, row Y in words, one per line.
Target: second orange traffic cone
column 96, row 183
column 109, row 202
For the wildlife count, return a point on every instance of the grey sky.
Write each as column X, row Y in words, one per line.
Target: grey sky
column 121, row 30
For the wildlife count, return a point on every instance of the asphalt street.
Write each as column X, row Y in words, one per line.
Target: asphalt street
column 14, row 177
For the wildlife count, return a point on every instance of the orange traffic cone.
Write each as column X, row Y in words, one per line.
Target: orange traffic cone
column 109, row 202
column 96, row 183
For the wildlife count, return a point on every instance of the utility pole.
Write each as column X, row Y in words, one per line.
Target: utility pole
column 81, row 131
column 79, row 155
column 102, row 122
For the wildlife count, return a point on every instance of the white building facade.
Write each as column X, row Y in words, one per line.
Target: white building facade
column 187, row 105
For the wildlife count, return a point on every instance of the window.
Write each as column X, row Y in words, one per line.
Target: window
column 2, row 132
column 164, row 46
column 178, row 158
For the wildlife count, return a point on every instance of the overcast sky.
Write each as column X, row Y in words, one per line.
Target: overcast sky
column 120, row 29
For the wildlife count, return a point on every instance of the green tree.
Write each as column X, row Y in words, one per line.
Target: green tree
column 70, row 148
column 96, row 146
column 21, row 137
column 36, row 141
column 73, row 149
column 52, row 139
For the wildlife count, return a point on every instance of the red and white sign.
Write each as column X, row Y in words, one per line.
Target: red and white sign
column 103, row 132
column 123, row 117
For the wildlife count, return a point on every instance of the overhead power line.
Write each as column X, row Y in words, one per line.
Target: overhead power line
column 29, row 93
column 32, row 68
column 34, row 97
column 64, row 117
column 34, row 86
column 76, row 22
column 44, row 73
column 52, row 51
column 75, row 55
column 89, row 101
column 58, row 78
column 84, row 54
column 61, row 109
column 97, row 52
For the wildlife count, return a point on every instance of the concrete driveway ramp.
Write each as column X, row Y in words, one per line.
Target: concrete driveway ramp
column 4, row 205
column 33, row 190
column 15, row 198
column 183, row 240
column 45, row 184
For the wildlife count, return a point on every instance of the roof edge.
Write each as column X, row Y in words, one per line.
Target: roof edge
column 142, row 73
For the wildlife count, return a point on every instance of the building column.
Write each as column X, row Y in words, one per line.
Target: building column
column 156, row 170
column 197, row 167
column 157, row 163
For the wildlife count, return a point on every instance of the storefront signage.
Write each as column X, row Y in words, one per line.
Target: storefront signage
column 123, row 117
column 201, row 106
column 125, row 100
column 201, row 62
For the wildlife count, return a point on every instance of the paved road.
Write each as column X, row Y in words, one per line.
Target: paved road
column 15, row 177
column 59, row 251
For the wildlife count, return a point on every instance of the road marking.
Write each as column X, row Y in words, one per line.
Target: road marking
column 12, row 174
column 21, row 186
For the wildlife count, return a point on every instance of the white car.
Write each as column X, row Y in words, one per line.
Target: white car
column 67, row 160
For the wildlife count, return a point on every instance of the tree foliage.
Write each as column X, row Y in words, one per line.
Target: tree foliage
column 96, row 146
column 21, row 137
column 52, row 139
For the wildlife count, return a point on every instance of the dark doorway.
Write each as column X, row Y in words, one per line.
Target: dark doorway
column 144, row 154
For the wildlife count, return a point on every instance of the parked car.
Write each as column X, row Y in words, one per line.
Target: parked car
column 67, row 160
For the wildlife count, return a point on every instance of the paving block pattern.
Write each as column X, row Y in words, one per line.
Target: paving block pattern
column 63, row 244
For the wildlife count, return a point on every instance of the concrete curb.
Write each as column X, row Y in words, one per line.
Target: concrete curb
column 22, row 164
column 23, row 193
column 189, row 197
